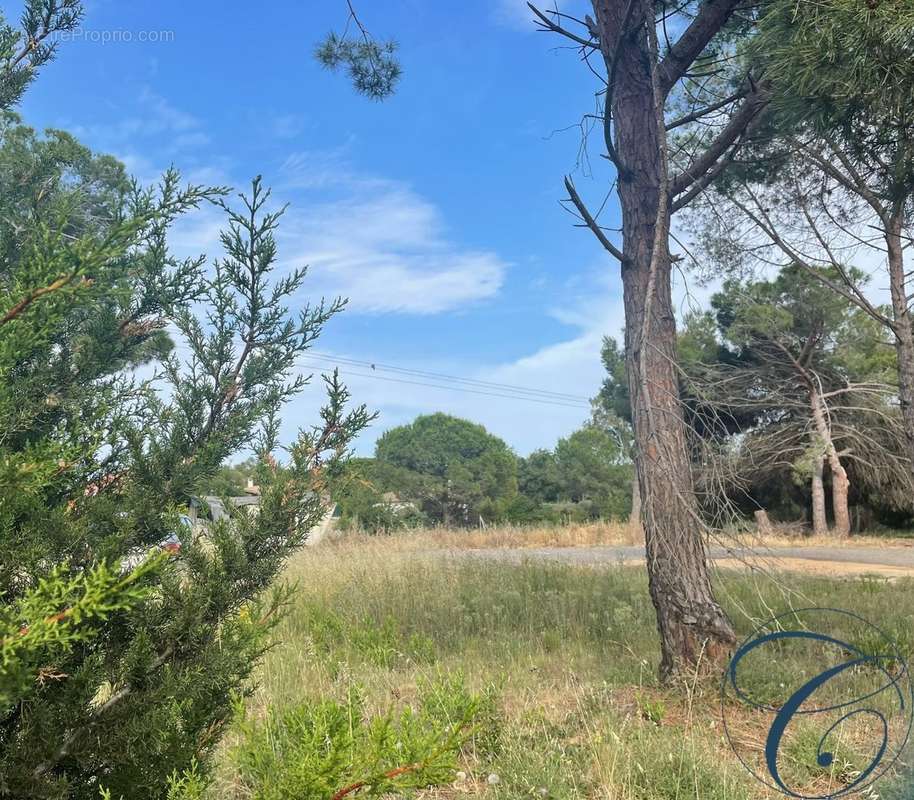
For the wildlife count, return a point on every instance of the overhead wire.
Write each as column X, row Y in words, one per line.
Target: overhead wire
column 530, row 395
column 377, row 366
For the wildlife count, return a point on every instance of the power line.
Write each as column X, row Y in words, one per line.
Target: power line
column 528, row 398
column 375, row 366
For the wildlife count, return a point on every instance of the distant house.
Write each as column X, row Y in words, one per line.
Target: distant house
column 395, row 503
column 210, row 508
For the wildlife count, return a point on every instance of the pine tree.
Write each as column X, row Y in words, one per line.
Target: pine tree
column 372, row 66
column 831, row 175
column 668, row 133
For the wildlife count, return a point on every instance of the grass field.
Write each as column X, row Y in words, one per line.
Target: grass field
column 566, row 656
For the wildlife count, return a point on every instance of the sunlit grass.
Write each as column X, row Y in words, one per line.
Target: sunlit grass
column 570, row 654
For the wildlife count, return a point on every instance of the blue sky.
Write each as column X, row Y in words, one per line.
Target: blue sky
column 435, row 212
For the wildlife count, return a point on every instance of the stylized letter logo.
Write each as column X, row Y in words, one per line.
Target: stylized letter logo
column 860, row 685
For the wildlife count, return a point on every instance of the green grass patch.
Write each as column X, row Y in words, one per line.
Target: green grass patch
column 561, row 662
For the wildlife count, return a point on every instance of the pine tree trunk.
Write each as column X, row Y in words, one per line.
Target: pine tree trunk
column 904, row 333
column 819, row 522
column 635, row 517
column 839, row 490
column 839, row 480
column 691, row 623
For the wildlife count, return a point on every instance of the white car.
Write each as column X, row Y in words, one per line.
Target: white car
column 171, row 543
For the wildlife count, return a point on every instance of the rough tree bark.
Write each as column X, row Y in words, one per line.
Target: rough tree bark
column 904, row 333
column 690, row 621
column 624, row 33
column 839, row 480
column 635, row 517
column 819, row 522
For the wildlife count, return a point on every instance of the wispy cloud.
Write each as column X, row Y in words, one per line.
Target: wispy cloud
column 571, row 365
column 387, row 250
column 372, row 240
column 318, row 169
column 155, row 121
column 287, row 126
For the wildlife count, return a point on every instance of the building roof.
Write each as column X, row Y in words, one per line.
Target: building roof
column 217, row 508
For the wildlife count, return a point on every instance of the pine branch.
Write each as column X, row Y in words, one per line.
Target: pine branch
column 553, row 27
column 711, row 17
column 694, row 116
column 735, row 128
column 590, row 222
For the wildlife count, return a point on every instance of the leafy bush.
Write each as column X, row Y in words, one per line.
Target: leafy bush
column 331, row 749
column 362, row 491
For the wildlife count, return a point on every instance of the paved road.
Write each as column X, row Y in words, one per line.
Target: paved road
column 896, row 556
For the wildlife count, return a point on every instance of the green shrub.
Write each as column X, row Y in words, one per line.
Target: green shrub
column 319, row 749
column 110, row 678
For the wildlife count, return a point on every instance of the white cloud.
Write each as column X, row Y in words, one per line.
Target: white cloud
column 189, row 141
column 162, row 115
column 318, row 169
column 378, row 243
column 386, row 248
column 287, row 126
column 368, row 238
column 379, row 237
column 157, row 120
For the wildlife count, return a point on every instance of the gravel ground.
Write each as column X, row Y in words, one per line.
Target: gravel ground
column 856, row 559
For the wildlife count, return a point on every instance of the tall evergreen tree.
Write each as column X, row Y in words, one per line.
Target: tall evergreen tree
column 800, row 376
column 650, row 94
column 119, row 668
column 829, row 182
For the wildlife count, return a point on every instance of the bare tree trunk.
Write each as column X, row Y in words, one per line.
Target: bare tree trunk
column 904, row 334
column 839, row 480
column 819, row 522
column 692, row 624
column 839, row 490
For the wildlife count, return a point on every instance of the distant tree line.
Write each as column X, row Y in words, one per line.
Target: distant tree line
column 788, row 392
column 790, row 404
column 441, row 470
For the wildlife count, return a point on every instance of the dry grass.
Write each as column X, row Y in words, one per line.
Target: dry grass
column 791, row 537
column 583, row 535
column 508, row 536
column 571, row 653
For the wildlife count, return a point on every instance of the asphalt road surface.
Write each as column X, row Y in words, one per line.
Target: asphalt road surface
column 900, row 557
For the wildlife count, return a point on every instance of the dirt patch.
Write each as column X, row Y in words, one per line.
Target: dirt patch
column 811, row 566
column 808, row 566
column 857, row 540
